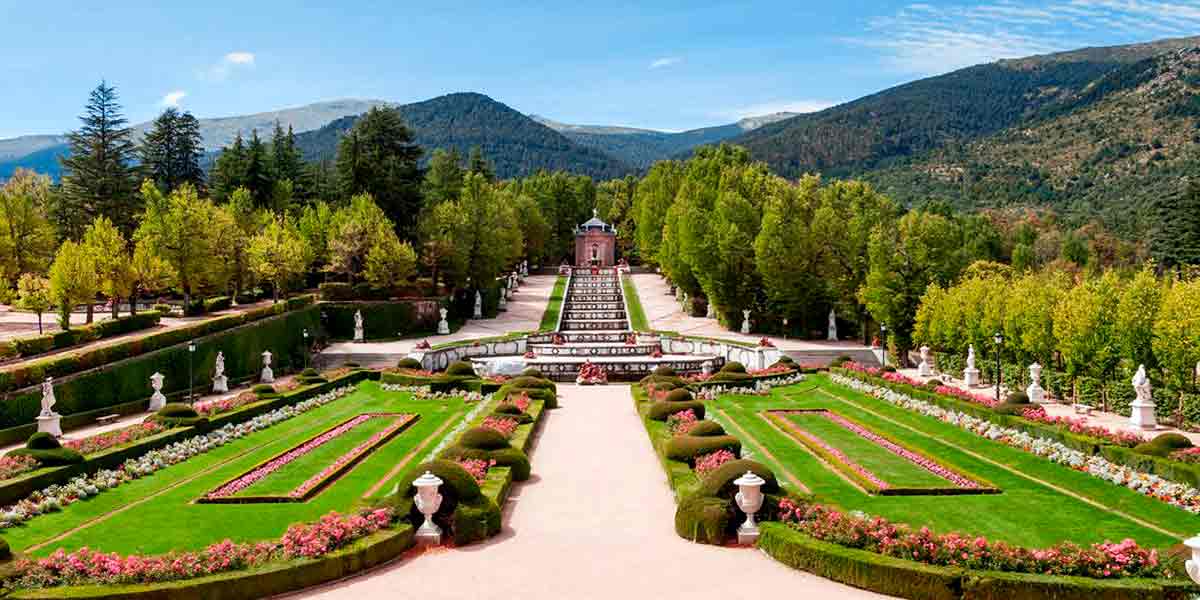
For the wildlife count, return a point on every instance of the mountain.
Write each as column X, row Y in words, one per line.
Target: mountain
column 641, row 147
column 923, row 115
column 515, row 143
column 14, row 148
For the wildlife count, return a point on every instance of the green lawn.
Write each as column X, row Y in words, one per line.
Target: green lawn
column 554, row 307
column 160, row 510
column 1041, row 503
column 637, row 315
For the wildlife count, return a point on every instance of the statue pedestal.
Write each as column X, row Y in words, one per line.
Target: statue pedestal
column 443, row 327
column 924, row 370
column 971, row 377
column 1141, row 414
column 157, row 401
column 503, row 302
column 1036, row 394
column 267, row 375
column 51, row 424
column 220, row 384
column 358, row 334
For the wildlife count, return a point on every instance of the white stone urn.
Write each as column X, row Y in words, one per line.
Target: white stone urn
column 1192, row 566
column 220, row 381
column 158, row 400
column 267, row 375
column 971, row 374
column 1034, row 391
column 750, row 499
column 1141, row 411
column 746, row 321
column 443, row 325
column 925, row 369
column 428, row 501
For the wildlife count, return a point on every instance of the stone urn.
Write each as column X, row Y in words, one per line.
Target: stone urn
column 428, row 501
column 749, row 499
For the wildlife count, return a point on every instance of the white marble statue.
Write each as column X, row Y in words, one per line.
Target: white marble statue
column 971, row 374
column 220, row 381
column 706, row 367
column 49, row 421
column 1142, row 409
column 157, row 400
column 746, row 321
column 358, row 326
column 443, row 325
column 712, row 311
column 1034, row 391
column 267, row 375
column 48, row 400
column 478, row 305
column 833, row 335
column 924, row 369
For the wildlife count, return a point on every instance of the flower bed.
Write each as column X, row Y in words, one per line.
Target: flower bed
column 85, row 566
column 111, row 439
column 681, row 422
column 1176, row 494
column 591, row 374
column 55, row 497
column 422, row 392
column 521, row 401
column 477, row 467
column 12, row 466
column 761, row 387
column 503, row 425
column 875, row 534
column 209, row 408
column 709, row 462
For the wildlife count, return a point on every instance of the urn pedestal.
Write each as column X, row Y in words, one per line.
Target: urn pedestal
column 971, row 377
column 1141, row 415
column 220, row 384
column 51, row 424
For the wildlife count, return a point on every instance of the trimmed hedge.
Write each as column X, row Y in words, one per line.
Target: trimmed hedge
column 43, row 448
column 659, row 411
column 483, row 438
column 381, row 320
column 460, row 368
column 30, row 346
column 409, row 363
column 704, row 519
column 686, row 448
column 217, row 304
column 706, row 428
column 513, row 458
column 465, row 512
column 178, row 414
column 719, row 482
column 679, row 395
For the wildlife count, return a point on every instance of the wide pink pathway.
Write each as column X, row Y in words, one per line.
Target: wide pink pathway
column 594, row 521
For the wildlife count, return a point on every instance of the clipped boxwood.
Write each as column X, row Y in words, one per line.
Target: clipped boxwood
column 42, row 441
column 460, row 368
column 704, row 519
column 465, row 512
column 43, row 448
column 408, row 362
column 733, row 367
column 532, row 372
column 453, row 383
column 263, row 389
column 218, row 303
column 483, row 438
column 706, row 428
column 659, row 411
column 719, row 482
column 513, row 458
column 179, row 414
column 686, row 448
column 679, row 395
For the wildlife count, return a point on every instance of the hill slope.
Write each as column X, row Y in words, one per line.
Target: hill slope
column 516, row 144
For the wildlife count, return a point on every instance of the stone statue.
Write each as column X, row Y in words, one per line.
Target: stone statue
column 267, row 375
column 443, row 325
column 924, row 369
column 833, row 336
column 48, row 400
column 157, row 400
column 1142, row 409
column 971, row 374
column 504, row 294
column 712, row 311
column 478, row 305
column 746, row 321
column 358, row 326
column 220, row 381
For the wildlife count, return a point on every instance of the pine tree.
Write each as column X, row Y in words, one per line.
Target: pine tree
column 478, row 164
column 1177, row 240
column 229, row 170
column 99, row 176
column 286, row 162
column 378, row 157
column 172, row 150
column 258, row 171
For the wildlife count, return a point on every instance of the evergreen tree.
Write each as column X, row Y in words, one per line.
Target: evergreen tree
column 1177, row 239
column 378, row 157
column 172, row 150
column 286, row 161
column 258, row 171
column 478, row 164
column 99, row 176
column 229, row 170
column 443, row 178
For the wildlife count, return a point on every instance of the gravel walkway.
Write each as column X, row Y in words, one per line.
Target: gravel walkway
column 594, row 521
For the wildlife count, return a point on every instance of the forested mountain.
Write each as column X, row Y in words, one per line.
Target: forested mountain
column 515, row 143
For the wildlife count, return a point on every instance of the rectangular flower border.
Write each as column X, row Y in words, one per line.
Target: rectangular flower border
column 328, row 475
column 960, row 484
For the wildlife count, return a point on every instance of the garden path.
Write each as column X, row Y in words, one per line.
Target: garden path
column 594, row 521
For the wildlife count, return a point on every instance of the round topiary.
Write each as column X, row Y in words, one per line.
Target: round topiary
column 704, row 519
column 178, row 410
column 665, row 386
column 787, row 359
column 934, row 383
column 532, row 382
column 1152, row 449
column 309, row 372
column 733, row 367
column 408, row 362
column 730, row 376
column 1017, row 397
column 508, row 408
column 483, row 438
column 42, row 441
column 659, row 411
column 706, row 429
column 263, row 388
column 457, row 483
column 719, row 482
column 1172, row 441
column 531, row 372
column 352, row 365
column 841, row 360
column 889, row 369
column 460, row 368
column 513, row 458
column 664, row 371
column 679, row 395
column 687, row 447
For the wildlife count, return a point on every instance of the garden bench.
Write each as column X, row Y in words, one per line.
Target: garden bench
column 106, row 419
column 1082, row 409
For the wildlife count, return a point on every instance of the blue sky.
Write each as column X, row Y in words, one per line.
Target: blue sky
column 648, row 64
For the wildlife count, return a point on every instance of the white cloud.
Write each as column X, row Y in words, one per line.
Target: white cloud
column 240, row 58
column 925, row 39
column 767, row 108
column 173, row 98
column 228, row 63
column 666, row 61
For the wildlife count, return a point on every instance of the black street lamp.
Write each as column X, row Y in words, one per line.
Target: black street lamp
column 999, row 339
column 883, row 342
column 305, row 349
column 191, row 371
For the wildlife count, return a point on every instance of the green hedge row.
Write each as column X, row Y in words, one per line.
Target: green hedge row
column 33, row 372
column 40, row 344
column 907, row 579
column 117, row 381
column 381, row 320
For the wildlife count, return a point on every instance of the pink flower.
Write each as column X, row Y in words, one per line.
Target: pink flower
column 504, row 425
column 707, row 463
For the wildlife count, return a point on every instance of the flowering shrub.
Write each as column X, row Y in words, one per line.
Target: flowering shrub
column 761, row 387
column 875, row 534
column 772, row 370
column 53, row 498
column 223, row 405
column 477, row 467
column 111, row 439
column 504, row 425
column 422, row 392
column 1176, row 494
column 1191, row 455
column 591, row 374
column 709, row 462
column 681, row 422
column 85, row 566
column 11, row 466
column 521, row 401
column 961, row 394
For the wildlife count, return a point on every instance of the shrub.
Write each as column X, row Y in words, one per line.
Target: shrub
column 263, row 389
column 731, row 376
column 504, row 411
column 733, row 367
column 465, row 512
column 659, row 411
column 43, row 448
column 531, row 372
column 839, row 361
column 453, row 383
column 934, row 383
column 163, row 309
column 664, row 371
column 336, row 290
column 679, row 395
column 218, row 303
column 686, row 448
column 513, row 458
column 719, row 483
column 704, row 519
column 533, row 382
column 460, row 368
column 5, row 551
column 1017, row 397
column 706, row 428
column 483, row 438
column 309, row 372
column 665, row 386
column 178, row 414
column 42, row 441
column 409, row 362
column 659, row 380
column 1172, row 441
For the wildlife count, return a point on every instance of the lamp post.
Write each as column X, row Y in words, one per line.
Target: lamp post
column 305, row 348
column 999, row 339
column 191, row 378
column 883, row 342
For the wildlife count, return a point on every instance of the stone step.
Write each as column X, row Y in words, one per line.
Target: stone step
column 578, row 337
column 593, row 350
column 593, row 298
column 593, row 325
column 622, row 368
column 594, row 315
column 594, row 306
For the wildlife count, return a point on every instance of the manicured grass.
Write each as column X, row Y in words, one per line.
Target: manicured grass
column 169, row 519
column 1029, row 511
column 508, row 337
column 554, row 307
column 637, row 315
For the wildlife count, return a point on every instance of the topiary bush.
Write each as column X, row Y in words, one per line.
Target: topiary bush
column 839, row 361
column 531, row 372
column 263, row 389
column 408, row 362
column 513, row 458
column 1017, row 397
column 704, row 519
column 659, row 381
column 460, row 368
column 1172, row 441
column 706, row 428
column 309, row 372
column 42, row 441
column 5, row 550
column 43, row 448
column 483, row 438
column 664, row 371
column 659, row 411
column 679, row 395
column 533, row 382
column 730, row 376
column 465, row 512
column 179, row 414
column 686, row 448
column 733, row 367
column 934, row 383
column 719, row 482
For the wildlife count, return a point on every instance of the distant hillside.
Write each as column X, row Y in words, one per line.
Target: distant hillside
column 916, row 117
column 516, row 144
column 14, row 148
